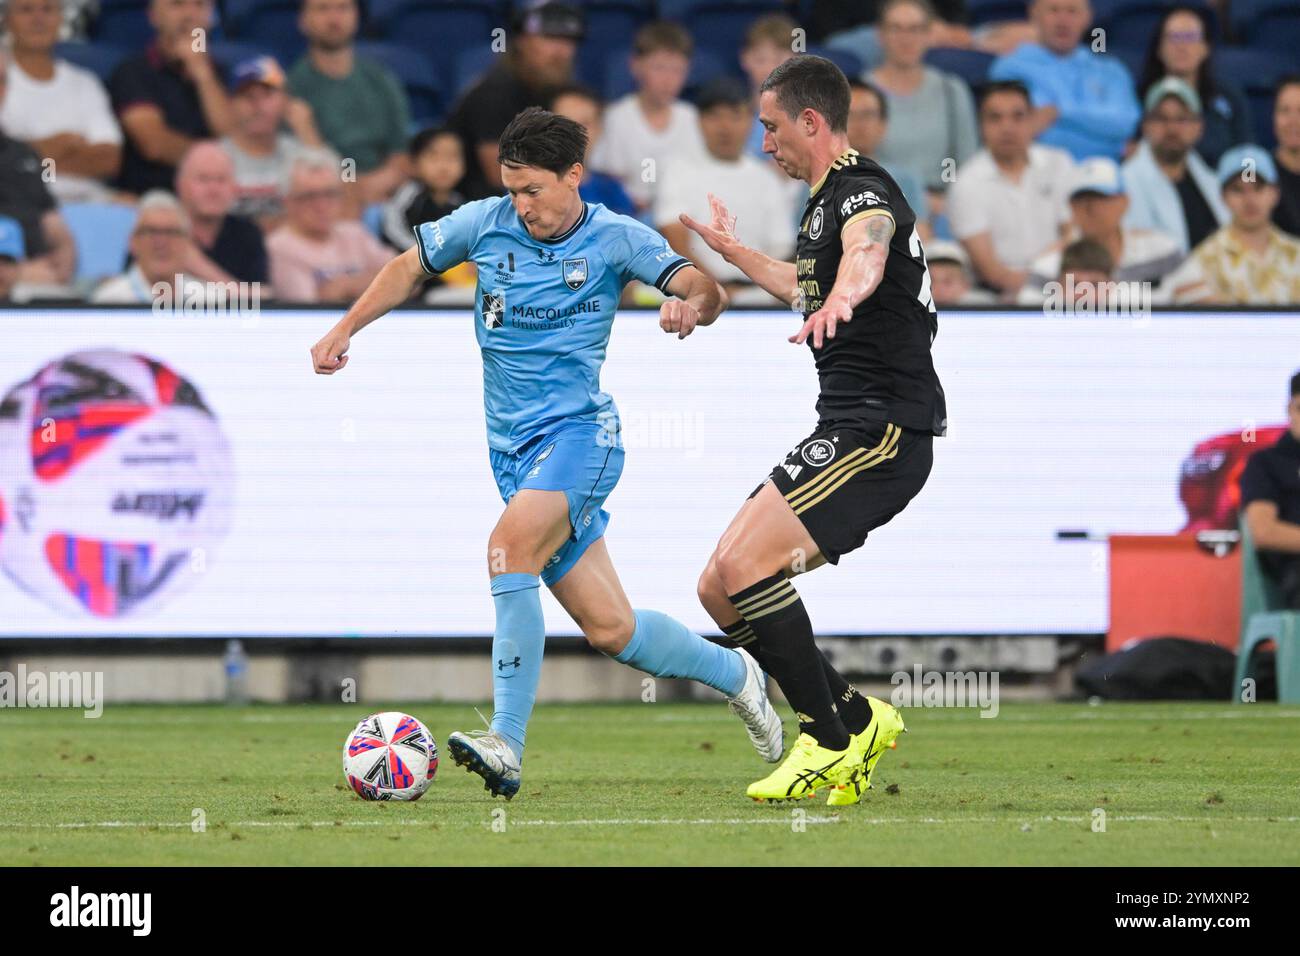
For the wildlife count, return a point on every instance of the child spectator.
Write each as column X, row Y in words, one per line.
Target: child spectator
column 583, row 107
column 769, row 42
column 438, row 160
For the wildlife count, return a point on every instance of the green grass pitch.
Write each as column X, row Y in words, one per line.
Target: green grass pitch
column 1184, row 784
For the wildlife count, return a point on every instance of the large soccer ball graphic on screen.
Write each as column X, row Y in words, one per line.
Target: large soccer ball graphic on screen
column 115, row 484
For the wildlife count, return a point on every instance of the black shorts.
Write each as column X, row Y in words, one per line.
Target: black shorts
column 844, row 481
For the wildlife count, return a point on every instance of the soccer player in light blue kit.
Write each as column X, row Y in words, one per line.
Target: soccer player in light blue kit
column 551, row 270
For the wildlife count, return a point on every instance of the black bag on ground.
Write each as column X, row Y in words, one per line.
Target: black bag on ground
column 1161, row 668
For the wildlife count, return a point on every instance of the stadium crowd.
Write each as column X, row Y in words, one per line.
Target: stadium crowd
column 295, row 143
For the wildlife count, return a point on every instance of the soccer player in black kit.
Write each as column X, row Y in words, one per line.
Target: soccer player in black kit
column 860, row 280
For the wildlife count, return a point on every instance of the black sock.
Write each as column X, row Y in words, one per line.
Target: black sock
column 854, row 708
column 775, row 614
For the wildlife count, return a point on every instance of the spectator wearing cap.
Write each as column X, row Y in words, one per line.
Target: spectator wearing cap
column 25, row 197
column 60, row 110
column 260, row 147
column 1084, row 102
column 768, row 43
column 763, row 212
column 1286, row 126
column 225, row 246
column 583, row 107
column 438, row 161
column 1180, row 47
column 1008, row 203
column 318, row 254
column 934, row 114
column 951, row 283
column 869, row 124
column 169, row 96
column 1270, row 503
column 359, row 106
column 538, row 60
column 1098, row 203
column 12, row 252
column 160, row 245
column 652, row 124
column 1249, row 261
column 1173, row 190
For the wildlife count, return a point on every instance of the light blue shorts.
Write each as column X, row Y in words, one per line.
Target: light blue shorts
column 584, row 461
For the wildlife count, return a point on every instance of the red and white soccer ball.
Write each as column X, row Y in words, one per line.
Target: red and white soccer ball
column 116, row 483
column 390, row 756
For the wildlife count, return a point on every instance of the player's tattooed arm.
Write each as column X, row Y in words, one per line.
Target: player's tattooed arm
column 698, row 300
column 777, row 277
column 394, row 284
column 862, row 266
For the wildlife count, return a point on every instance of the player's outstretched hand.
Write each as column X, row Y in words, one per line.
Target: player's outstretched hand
column 330, row 353
column 821, row 324
column 720, row 234
column 676, row 315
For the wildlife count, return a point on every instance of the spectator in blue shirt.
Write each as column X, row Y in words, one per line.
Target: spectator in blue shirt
column 584, row 107
column 1180, row 47
column 1084, row 103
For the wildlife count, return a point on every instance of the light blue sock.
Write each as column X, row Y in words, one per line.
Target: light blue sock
column 666, row 648
column 516, row 655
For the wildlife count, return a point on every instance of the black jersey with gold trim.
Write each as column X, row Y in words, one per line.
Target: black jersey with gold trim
column 878, row 367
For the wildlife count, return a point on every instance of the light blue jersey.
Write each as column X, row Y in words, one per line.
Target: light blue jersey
column 544, row 308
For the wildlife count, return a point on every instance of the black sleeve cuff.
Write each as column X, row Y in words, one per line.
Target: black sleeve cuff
column 419, row 247
column 674, row 267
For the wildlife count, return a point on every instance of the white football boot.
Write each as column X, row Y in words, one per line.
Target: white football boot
column 487, row 754
column 753, row 707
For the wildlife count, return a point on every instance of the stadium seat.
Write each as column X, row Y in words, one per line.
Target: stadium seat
column 1256, row 73
column 99, row 58
column 417, row 74
column 101, row 232
column 468, row 64
column 846, row 61
column 229, row 53
column 1263, row 619
column 611, row 24
column 271, row 24
column 433, row 28
column 994, row 11
column 971, row 65
column 123, row 23
column 719, row 25
column 1268, row 24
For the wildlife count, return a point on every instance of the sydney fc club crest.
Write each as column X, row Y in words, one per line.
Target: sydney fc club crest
column 575, row 273
column 494, row 309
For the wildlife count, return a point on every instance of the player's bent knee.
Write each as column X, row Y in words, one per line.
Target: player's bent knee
column 611, row 635
column 510, row 553
column 737, row 569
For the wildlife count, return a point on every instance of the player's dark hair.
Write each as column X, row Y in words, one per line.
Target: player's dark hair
column 877, row 92
column 537, row 137
column 1086, row 255
column 426, row 137
column 807, row 82
column 994, row 87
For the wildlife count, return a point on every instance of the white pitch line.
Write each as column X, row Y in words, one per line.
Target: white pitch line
column 651, row 821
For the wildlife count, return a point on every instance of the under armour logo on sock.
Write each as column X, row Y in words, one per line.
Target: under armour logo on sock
column 503, row 664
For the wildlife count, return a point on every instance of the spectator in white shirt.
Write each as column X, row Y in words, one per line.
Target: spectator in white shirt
column 751, row 191
column 60, row 110
column 1009, row 201
column 1098, row 202
column 160, row 243
column 644, row 129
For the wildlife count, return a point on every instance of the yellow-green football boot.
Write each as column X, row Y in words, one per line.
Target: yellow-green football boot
column 879, row 735
column 809, row 767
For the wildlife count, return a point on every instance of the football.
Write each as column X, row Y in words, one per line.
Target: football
column 116, row 484
column 390, row 756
